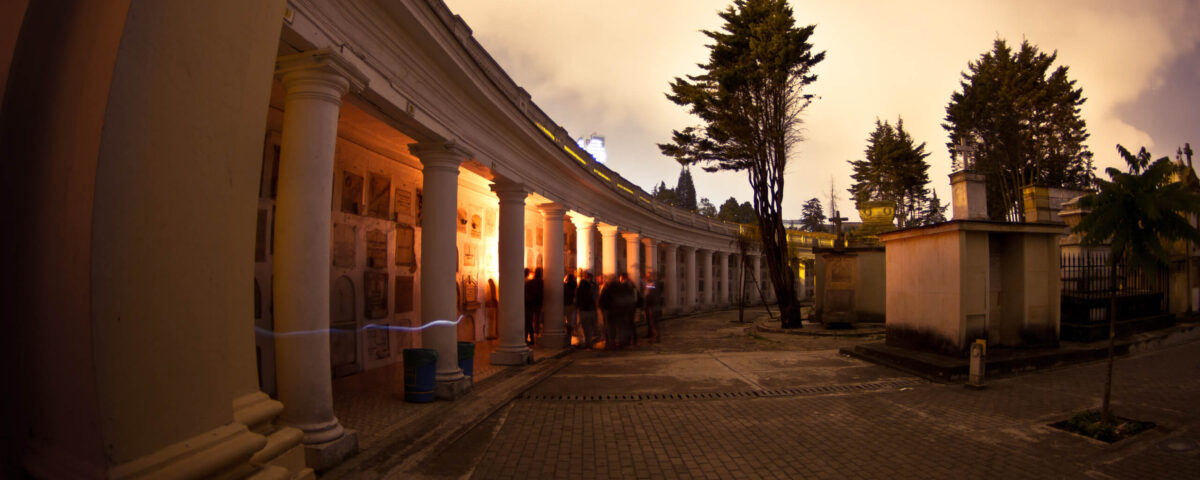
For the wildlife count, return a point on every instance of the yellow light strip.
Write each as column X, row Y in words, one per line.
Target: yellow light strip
column 644, row 199
column 601, row 174
column 622, row 187
column 545, row 131
column 572, row 152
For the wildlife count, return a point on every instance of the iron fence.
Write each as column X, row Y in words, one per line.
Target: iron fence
column 1087, row 283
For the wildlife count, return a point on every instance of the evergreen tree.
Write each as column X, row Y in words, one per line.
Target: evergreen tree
column 894, row 170
column 934, row 211
column 665, row 195
column 813, row 218
column 685, row 190
column 1020, row 124
column 732, row 211
column 749, row 98
column 707, row 209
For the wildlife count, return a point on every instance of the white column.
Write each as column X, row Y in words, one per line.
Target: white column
column 706, row 268
column 440, row 162
column 672, row 277
column 315, row 83
column 584, row 226
column 651, row 260
column 689, row 290
column 608, row 242
column 632, row 266
column 511, row 250
column 723, row 291
column 553, row 333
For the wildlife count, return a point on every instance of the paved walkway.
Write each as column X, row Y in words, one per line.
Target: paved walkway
column 718, row 400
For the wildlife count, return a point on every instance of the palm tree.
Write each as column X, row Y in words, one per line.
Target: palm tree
column 1135, row 212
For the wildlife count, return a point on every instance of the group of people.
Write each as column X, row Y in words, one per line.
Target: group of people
column 614, row 301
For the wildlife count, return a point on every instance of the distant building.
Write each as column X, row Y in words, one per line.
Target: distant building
column 594, row 145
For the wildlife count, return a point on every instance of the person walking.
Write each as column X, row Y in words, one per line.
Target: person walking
column 585, row 305
column 533, row 304
column 569, row 321
column 492, row 311
column 653, row 307
column 608, row 309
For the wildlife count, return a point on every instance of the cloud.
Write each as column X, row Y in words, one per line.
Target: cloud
column 603, row 67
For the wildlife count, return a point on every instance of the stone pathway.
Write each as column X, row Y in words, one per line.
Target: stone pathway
column 713, row 401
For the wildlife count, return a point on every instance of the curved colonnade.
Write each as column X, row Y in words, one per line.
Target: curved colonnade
column 392, row 100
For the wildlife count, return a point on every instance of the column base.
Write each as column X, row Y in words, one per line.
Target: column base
column 554, row 340
column 502, row 357
column 324, row 456
column 452, row 389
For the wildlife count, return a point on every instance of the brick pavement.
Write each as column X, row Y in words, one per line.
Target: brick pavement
column 922, row 431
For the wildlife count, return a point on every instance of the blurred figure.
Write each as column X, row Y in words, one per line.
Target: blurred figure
column 585, row 305
column 571, row 324
column 608, row 299
column 533, row 304
column 653, row 307
column 492, row 311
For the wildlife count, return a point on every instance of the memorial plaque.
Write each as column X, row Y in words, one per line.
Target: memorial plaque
column 344, row 245
column 476, row 227
column 375, row 294
column 404, row 293
column 489, row 223
column 378, row 338
column 376, row 249
column 352, row 193
column 469, row 252
column 420, row 204
column 403, row 203
column 377, row 198
column 528, row 237
column 539, row 236
column 343, row 335
column 462, row 220
column 405, row 253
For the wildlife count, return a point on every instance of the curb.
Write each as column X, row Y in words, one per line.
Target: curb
column 761, row 325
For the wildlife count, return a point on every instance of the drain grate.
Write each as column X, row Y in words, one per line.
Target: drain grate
column 780, row 392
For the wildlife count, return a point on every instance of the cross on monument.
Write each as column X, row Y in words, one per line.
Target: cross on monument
column 965, row 154
column 840, row 241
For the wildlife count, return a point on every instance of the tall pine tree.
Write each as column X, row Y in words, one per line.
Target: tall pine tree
column 813, row 215
column 1020, row 121
column 750, row 99
column 894, row 169
column 686, row 190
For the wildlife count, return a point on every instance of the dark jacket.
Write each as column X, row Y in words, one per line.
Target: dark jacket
column 585, row 295
column 533, row 293
column 569, row 291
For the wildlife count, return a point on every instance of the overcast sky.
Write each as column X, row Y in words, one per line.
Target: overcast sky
column 603, row 67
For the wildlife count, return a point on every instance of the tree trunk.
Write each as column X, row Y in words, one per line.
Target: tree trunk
column 774, row 240
column 1105, row 406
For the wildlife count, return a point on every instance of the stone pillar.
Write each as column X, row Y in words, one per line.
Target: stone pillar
column 553, row 333
column 440, row 162
column 706, row 269
column 608, row 242
column 315, row 83
column 651, row 254
column 511, row 251
column 632, row 267
column 584, row 248
column 690, row 277
column 723, row 291
column 672, row 277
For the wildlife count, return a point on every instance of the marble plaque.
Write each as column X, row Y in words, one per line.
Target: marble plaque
column 379, row 341
column 404, row 293
column 405, row 253
column 377, row 198
column 403, row 203
column 375, row 294
column 344, row 245
column 377, row 250
column 352, row 193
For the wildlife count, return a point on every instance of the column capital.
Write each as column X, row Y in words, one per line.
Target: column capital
column 649, row 241
column 631, row 236
column 509, row 190
column 606, row 229
column 319, row 68
column 687, row 248
column 580, row 220
column 439, row 155
column 552, row 209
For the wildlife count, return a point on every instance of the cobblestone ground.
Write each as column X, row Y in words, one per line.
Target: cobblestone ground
column 912, row 429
